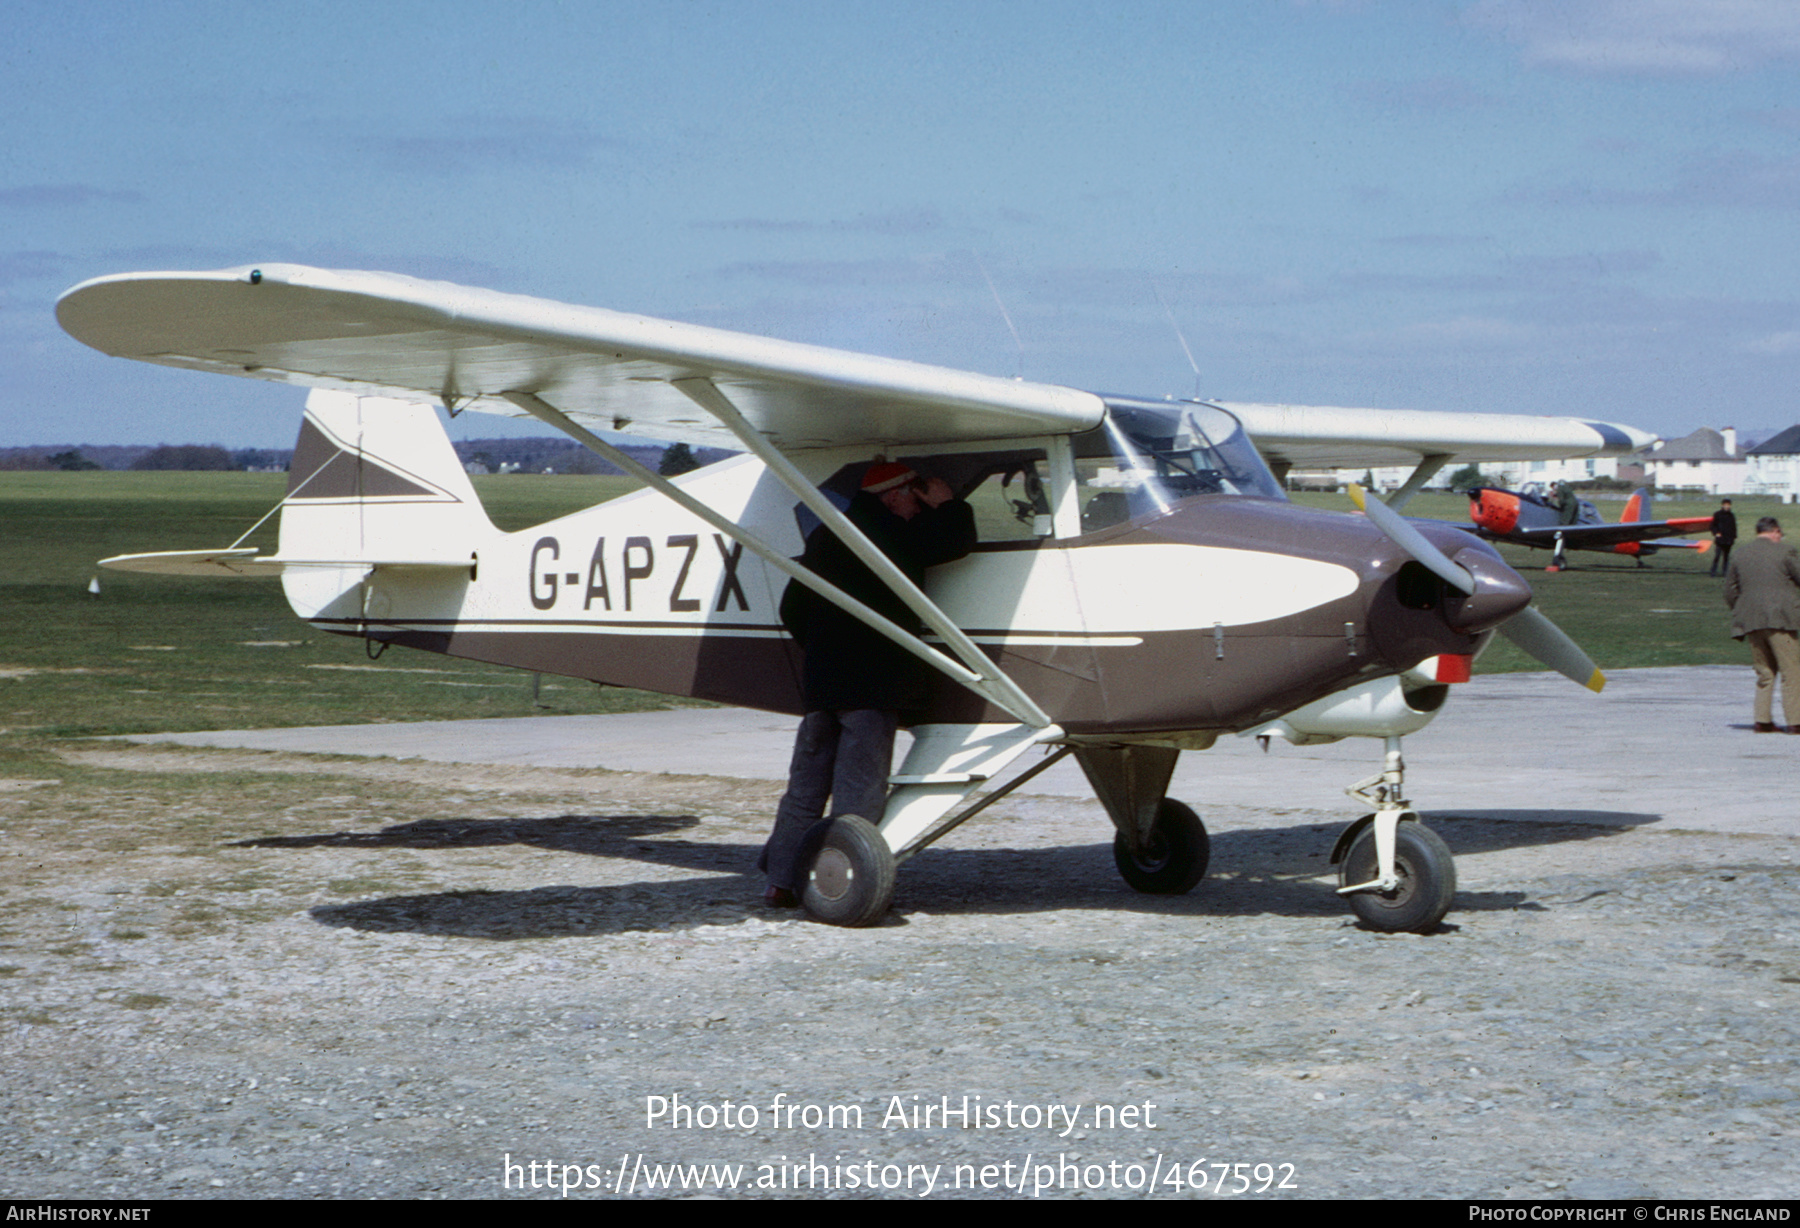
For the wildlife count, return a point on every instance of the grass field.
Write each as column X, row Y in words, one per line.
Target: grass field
column 157, row 653
column 161, row 653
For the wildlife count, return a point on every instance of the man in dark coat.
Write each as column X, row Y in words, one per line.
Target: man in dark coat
column 856, row 681
column 1762, row 587
column 1724, row 535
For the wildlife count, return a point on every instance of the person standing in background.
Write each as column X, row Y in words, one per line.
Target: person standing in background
column 1762, row 587
column 1724, row 535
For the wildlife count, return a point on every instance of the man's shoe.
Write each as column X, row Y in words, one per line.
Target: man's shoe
column 1764, row 727
column 780, row 897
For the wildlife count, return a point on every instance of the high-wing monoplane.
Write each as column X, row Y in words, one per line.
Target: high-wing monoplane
column 1142, row 585
column 1560, row 522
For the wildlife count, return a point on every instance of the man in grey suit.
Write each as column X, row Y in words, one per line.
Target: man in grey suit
column 1762, row 587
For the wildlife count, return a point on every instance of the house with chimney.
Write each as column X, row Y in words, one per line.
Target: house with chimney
column 1706, row 461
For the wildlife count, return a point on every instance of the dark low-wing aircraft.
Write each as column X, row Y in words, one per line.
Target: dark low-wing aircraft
column 1560, row 522
column 1141, row 588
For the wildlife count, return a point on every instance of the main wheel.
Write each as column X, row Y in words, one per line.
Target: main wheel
column 850, row 871
column 1427, row 880
column 1173, row 859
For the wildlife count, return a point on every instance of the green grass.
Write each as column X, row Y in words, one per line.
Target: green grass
column 162, row 653
column 159, row 653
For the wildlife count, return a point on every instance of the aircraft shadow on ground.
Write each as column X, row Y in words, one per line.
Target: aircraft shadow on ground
column 1284, row 871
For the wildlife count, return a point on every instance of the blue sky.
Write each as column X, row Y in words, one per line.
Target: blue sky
column 1584, row 207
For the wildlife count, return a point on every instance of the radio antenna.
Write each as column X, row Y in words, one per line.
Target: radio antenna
column 1179, row 337
column 1018, row 346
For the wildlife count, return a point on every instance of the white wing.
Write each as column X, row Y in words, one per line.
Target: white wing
column 1315, row 436
column 385, row 334
column 390, row 335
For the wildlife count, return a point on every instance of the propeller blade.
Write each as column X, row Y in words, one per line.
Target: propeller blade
column 1538, row 637
column 1412, row 541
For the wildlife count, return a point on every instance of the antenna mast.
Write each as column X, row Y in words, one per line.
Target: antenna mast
column 1018, row 346
column 1179, row 337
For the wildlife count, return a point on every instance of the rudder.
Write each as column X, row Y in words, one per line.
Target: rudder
column 375, row 478
column 374, row 483
column 1637, row 508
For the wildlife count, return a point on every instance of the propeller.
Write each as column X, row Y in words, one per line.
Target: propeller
column 1401, row 532
column 1537, row 637
column 1529, row 630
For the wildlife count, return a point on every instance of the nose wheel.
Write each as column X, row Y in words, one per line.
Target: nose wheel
column 1398, row 874
column 1417, row 895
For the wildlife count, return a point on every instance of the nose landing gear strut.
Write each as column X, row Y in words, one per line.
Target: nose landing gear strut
column 1398, row 874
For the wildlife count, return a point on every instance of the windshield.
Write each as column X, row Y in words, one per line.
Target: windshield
column 1149, row 455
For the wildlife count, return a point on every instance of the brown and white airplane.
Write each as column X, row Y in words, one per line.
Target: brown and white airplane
column 1142, row 585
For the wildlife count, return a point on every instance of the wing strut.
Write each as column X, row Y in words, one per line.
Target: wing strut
column 704, row 393
column 985, row 680
column 1428, row 468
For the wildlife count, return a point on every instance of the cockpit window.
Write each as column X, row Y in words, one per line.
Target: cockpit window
column 1011, row 503
column 1149, row 455
column 1005, row 488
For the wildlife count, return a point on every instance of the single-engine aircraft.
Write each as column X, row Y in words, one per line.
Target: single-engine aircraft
column 1142, row 585
column 1561, row 522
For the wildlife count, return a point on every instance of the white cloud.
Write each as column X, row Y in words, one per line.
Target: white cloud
column 1645, row 36
column 1787, row 342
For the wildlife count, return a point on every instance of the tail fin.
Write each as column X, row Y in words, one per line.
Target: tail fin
column 374, row 483
column 377, row 479
column 375, row 486
column 1637, row 507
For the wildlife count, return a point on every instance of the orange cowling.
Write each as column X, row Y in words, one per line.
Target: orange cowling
column 1495, row 510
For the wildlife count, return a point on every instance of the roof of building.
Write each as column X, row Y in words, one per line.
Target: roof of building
column 1786, row 443
column 1704, row 444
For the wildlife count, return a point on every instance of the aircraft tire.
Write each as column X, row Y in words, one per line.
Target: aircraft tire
column 1427, row 880
column 1176, row 857
column 849, row 872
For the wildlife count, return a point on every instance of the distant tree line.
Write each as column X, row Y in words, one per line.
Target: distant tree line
column 556, row 455
column 125, row 456
column 185, row 456
column 536, row 455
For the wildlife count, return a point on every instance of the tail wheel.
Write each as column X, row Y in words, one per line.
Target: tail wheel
column 1173, row 859
column 850, row 871
column 1427, row 880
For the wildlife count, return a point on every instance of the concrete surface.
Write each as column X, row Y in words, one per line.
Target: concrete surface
column 1670, row 746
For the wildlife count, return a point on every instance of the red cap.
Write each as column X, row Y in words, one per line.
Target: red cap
column 885, row 476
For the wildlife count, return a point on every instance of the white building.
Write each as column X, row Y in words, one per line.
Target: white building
column 1513, row 475
column 1706, row 460
column 1575, row 469
column 1775, row 467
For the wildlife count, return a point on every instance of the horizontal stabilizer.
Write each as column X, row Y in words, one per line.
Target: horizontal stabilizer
column 245, row 561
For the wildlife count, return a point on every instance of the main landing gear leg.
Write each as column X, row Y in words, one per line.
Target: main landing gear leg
column 1162, row 847
column 1398, row 874
column 1559, row 561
